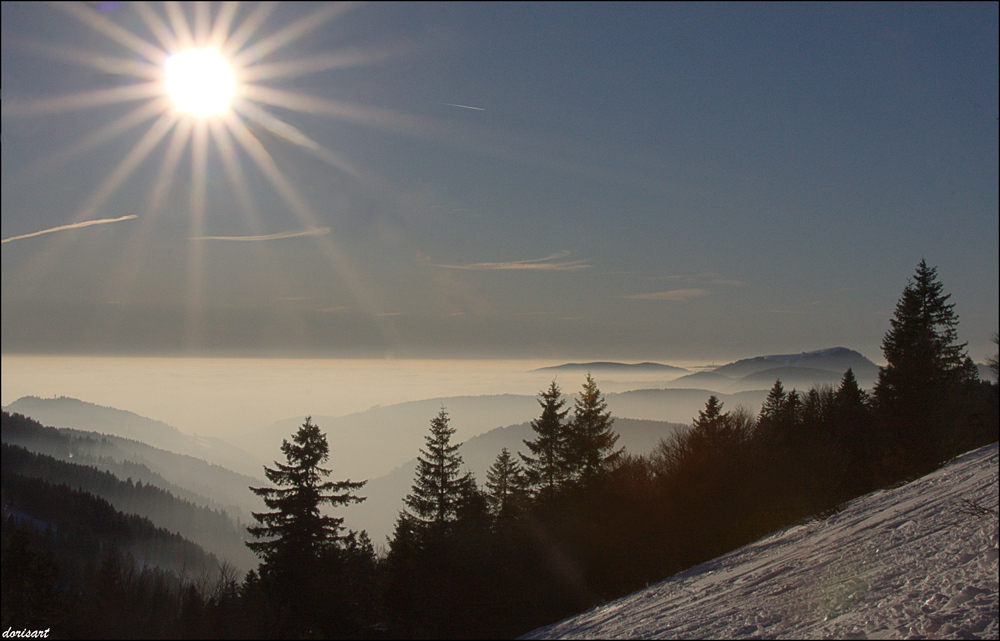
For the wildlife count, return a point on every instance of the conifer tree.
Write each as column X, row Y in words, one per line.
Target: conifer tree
column 919, row 392
column 438, row 488
column 295, row 533
column 770, row 411
column 302, row 549
column 546, row 469
column 504, row 486
column 590, row 439
column 708, row 429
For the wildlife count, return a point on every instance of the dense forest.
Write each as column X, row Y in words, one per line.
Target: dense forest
column 569, row 521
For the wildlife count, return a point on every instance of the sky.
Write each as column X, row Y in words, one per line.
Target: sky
column 488, row 180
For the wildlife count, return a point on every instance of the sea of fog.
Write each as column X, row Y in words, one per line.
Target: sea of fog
column 229, row 397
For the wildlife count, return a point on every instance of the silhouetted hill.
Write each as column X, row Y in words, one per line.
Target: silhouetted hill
column 676, row 405
column 703, row 380
column 81, row 415
column 186, row 477
column 802, row 378
column 835, row 359
column 90, row 525
column 214, row 530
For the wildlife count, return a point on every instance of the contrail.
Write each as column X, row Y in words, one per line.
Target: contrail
column 451, row 104
column 86, row 223
column 287, row 234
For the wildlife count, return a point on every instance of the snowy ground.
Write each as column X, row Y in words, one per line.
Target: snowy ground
column 914, row 561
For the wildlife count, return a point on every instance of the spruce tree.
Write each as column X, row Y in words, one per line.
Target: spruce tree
column 768, row 421
column 709, row 428
column 438, row 489
column 302, row 550
column 590, row 440
column 504, row 487
column 546, row 469
column 920, row 391
column 295, row 533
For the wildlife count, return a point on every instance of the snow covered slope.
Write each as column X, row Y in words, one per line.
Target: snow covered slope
column 914, row 561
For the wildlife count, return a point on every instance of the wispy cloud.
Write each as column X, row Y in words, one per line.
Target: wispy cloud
column 549, row 263
column 674, row 295
column 319, row 231
column 86, row 223
column 452, row 104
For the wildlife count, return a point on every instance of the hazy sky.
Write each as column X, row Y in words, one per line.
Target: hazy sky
column 634, row 181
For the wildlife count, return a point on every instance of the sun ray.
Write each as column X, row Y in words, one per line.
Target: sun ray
column 202, row 22
column 45, row 260
column 130, row 163
column 370, row 116
column 314, row 64
column 107, row 64
column 265, row 119
column 123, row 36
column 290, row 33
column 274, row 175
column 272, row 269
column 122, row 286
column 156, row 25
column 196, row 251
column 179, row 24
column 250, row 25
column 136, row 117
column 223, row 23
column 83, row 100
column 168, row 167
column 234, row 172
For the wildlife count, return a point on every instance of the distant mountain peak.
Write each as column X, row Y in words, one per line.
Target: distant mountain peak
column 832, row 359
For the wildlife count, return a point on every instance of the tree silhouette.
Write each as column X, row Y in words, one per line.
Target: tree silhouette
column 438, row 489
column 925, row 374
column 302, row 550
column 546, row 470
column 505, row 487
column 590, row 439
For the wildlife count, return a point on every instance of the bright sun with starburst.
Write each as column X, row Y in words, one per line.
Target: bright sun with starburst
column 200, row 81
column 203, row 83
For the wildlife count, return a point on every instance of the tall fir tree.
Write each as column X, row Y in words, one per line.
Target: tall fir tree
column 303, row 550
column 545, row 468
column 295, row 532
column 438, row 490
column 591, row 439
column 920, row 392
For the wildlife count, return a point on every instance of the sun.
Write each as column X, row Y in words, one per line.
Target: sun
column 201, row 82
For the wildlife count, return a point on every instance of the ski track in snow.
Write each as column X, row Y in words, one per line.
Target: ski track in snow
column 908, row 562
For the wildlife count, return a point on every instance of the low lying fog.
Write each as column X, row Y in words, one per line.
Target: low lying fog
column 228, row 398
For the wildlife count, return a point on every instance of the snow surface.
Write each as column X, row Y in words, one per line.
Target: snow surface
column 908, row 562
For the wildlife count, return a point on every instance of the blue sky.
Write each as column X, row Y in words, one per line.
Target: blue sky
column 636, row 181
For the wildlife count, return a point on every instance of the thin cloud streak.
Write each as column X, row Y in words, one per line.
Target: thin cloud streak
column 536, row 264
column 673, row 295
column 280, row 235
column 452, row 104
column 86, row 223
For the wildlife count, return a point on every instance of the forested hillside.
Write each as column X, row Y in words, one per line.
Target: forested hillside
column 214, row 530
column 183, row 476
